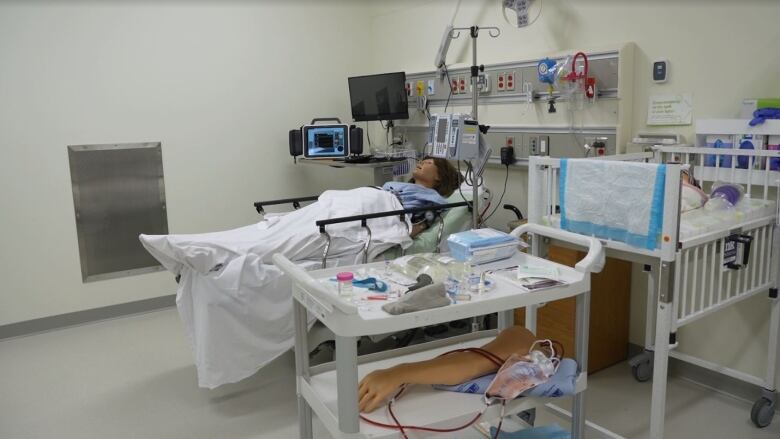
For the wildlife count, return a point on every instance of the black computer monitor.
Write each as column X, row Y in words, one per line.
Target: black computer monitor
column 379, row 97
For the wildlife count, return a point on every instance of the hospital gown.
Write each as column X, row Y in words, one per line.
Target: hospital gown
column 235, row 305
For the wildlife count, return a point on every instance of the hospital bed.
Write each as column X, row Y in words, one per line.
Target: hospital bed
column 238, row 318
column 331, row 390
column 687, row 278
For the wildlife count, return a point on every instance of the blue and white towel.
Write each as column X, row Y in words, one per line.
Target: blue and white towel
column 621, row 201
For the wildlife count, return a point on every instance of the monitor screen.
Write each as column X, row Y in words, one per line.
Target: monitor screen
column 379, row 97
column 326, row 141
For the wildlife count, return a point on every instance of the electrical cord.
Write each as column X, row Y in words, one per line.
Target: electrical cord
column 469, row 204
column 449, row 86
column 501, row 198
column 368, row 135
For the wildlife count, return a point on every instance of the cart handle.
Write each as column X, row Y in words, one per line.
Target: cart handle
column 592, row 262
column 312, row 287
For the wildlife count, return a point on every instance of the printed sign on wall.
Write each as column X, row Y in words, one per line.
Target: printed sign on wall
column 670, row 109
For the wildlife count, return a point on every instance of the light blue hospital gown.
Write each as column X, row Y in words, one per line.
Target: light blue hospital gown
column 413, row 196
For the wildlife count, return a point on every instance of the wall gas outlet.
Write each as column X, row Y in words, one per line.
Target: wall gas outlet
column 420, row 88
column 431, row 90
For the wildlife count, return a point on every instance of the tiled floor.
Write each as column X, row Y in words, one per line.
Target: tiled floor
column 133, row 378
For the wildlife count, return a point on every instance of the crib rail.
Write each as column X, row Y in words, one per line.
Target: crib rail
column 752, row 168
column 703, row 285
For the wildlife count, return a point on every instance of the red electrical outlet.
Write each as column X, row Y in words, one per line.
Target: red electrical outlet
column 501, row 83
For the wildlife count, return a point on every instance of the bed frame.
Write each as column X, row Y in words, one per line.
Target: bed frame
column 686, row 280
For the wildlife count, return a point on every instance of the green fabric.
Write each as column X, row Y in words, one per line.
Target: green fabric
column 455, row 220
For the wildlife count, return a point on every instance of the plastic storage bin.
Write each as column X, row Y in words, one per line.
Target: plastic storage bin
column 724, row 142
column 773, row 144
column 482, row 245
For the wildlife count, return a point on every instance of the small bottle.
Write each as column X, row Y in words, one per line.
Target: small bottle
column 473, row 279
column 452, row 287
column 345, row 284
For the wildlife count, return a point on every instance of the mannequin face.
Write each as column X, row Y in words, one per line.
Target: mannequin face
column 426, row 174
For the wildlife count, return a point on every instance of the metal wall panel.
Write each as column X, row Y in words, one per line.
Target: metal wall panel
column 604, row 66
column 118, row 193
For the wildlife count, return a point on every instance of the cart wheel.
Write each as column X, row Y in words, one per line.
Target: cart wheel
column 642, row 371
column 762, row 412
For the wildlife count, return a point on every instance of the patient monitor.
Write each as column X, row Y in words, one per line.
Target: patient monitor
column 326, row 141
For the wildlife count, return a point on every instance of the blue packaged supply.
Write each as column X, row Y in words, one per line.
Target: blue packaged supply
column 482, row 245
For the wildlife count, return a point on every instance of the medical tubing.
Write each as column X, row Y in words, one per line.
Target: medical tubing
column 495, row 359
column 500, row 420
column 449, row 85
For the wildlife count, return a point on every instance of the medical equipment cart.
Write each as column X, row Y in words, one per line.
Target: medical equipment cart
column 331, row 390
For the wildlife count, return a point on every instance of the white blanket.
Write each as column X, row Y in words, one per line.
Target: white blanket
column 236, row 306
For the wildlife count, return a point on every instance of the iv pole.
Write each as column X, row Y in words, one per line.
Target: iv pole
column 494, row 32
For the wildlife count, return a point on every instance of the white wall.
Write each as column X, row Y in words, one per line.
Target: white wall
column 218, row 83
column 720, row 51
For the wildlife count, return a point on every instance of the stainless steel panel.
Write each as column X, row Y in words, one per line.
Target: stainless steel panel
column 118, row 193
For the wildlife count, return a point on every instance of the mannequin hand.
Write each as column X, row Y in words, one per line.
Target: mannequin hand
column 376, row 388
column 418, row 228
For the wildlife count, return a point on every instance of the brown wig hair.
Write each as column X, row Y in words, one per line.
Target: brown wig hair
column 449, row 178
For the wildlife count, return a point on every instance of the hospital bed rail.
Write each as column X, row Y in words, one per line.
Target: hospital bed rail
column 296, row 202
column 433, row 210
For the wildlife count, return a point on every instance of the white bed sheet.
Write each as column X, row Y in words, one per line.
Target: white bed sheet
column 235, row 305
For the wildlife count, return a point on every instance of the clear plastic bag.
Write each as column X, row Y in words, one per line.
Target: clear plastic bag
column 724, row 196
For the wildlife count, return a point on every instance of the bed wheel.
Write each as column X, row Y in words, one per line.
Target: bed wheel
column 642, row 372
column 642, row 366
column 762, row 412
